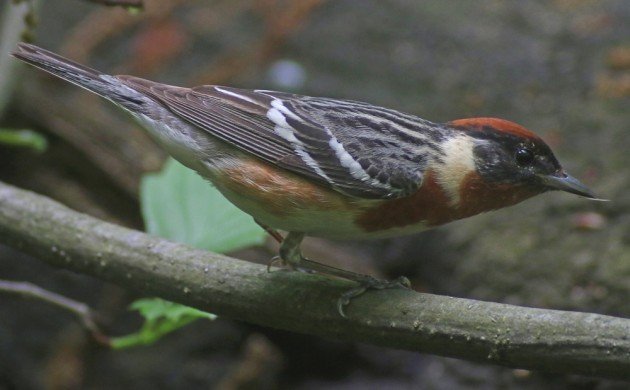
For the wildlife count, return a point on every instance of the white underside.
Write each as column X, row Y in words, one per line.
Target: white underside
column 318, row 223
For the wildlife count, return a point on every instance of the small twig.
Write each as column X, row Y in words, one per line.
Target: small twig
column 272, row 232
column 119, row 3
column 82, row 310
column 102, row 24
column 17, row 23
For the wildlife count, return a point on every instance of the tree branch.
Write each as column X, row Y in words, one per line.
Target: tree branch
column 549, row 340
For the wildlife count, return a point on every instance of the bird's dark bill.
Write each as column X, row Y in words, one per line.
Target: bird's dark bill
column 567, row 183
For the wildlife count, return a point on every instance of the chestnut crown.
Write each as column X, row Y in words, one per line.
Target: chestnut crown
column 507, row 153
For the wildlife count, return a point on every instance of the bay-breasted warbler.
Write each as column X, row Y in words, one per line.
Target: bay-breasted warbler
column 327, row 167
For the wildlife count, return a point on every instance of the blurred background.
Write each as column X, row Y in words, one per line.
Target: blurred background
column 558, row 67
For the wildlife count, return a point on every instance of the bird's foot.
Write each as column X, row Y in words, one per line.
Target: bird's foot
column 277, row 261
column 291, row 258
column 369, row 283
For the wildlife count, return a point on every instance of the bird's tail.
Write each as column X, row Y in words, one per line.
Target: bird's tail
column 110, row 87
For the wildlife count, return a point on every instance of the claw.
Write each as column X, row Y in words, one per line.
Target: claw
column 277, row 261
column 345, row 298
column 273, row 262
column 401, row 281
column 367, row 284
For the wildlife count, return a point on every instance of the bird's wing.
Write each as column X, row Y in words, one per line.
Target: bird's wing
column 355, row 148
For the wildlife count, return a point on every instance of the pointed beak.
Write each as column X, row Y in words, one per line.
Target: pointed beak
column 563, row 182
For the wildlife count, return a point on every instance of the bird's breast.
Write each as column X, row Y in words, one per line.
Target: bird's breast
column 429, row 206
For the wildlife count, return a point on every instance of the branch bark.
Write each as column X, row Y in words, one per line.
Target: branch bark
column 528, row 338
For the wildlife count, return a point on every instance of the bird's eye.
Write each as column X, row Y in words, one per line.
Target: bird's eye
column 524, row 157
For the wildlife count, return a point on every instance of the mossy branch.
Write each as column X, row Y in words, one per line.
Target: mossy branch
column 520, row 337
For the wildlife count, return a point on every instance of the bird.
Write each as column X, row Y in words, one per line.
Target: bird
column 332, row 168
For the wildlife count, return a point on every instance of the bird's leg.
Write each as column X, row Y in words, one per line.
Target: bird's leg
column 291, row 255
column 290, row 252
column 276, row 236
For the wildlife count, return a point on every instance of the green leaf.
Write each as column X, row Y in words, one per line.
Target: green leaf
column 179, row 205
column 23, row 138
column 161, row 318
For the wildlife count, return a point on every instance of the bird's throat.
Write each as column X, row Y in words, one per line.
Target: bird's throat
column 432, row 205
column 478, row 196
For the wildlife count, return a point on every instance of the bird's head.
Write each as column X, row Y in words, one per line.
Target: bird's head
column 505, row 164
